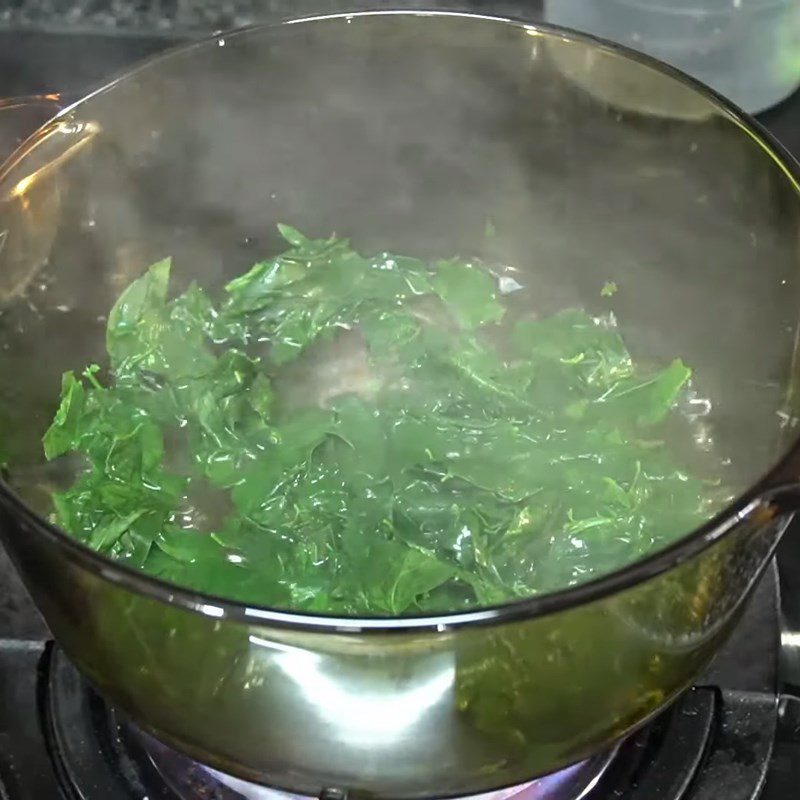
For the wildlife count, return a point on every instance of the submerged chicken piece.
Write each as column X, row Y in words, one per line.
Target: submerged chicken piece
column 328, row 369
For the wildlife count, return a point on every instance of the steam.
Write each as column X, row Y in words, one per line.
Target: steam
column 408, row 134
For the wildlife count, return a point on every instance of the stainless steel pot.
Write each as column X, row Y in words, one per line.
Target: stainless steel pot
column 410, row 130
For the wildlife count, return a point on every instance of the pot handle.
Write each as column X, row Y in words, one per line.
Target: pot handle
column 56, row 138
column 37, row 142
column 31, row 100
column 20, row 116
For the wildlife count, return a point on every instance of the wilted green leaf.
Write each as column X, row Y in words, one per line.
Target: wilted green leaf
column 455, row 462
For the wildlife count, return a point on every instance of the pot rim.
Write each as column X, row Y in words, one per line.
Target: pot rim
column 744, row 506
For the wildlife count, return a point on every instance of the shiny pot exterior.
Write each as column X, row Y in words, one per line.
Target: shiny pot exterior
column 436, row 711
column 419, row 133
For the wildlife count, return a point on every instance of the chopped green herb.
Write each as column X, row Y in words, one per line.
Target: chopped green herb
column 609, row 289
column 368, row 435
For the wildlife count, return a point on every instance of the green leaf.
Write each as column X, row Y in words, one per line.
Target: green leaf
column 648, row 401
column 474, row 462
column 108, row 533
column 468, row 291
column 419, row 573
column 134, row 320
column 609, row 289
column 292, row 444
column 292, row 235
column 361, row 428
column 62, row 435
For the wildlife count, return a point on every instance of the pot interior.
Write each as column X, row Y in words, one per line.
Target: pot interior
column 430, row 135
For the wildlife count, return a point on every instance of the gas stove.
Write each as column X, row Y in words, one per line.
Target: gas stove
column 734, row 736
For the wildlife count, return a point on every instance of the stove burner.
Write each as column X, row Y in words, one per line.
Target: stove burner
column 190, row 780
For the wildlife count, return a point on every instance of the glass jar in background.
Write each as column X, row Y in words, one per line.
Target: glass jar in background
column 748, row 50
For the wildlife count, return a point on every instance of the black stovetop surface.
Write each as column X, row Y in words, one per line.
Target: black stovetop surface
column 734, row 737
